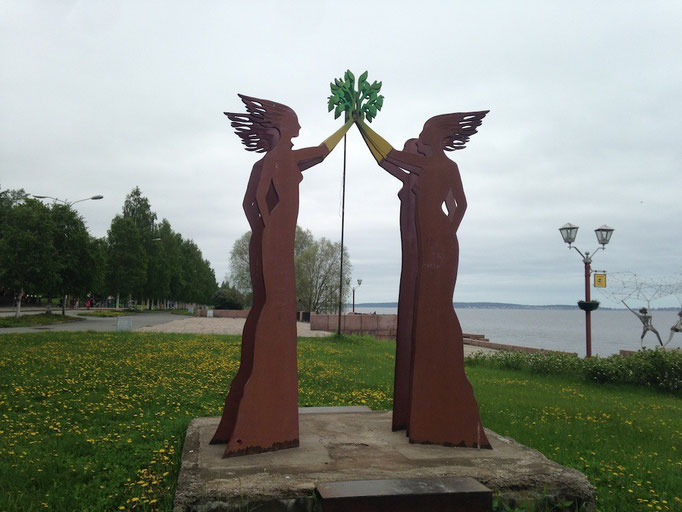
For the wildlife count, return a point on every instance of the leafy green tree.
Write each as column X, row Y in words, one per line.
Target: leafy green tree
column 199, row 282
column 27, row 252
column 74, row 261
column 317, row 276
column 138, row 209
column 164, row 262
column 98, row 250
column 126, row 259
column 317, row 265
column 239, row 264
column 9, row 198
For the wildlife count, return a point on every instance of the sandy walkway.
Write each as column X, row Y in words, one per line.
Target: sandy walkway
column 203, row 325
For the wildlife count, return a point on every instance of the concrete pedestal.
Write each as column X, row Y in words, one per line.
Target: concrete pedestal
column 358, row 445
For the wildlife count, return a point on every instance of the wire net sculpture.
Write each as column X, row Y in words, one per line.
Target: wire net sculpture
column 638, row 291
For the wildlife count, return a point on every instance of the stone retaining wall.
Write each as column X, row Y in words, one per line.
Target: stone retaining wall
column 379, row 326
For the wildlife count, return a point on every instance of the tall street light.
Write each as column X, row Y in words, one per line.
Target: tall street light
column 568, row 232
column 354, row 287
column 70, row 203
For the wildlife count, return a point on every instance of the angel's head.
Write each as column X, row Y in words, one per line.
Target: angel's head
column 265, row 124
column 449, row 132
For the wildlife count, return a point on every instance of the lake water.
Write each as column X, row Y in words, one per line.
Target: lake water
column 612, row 330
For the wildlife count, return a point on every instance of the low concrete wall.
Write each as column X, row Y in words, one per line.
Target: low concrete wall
column 379, row 326
column 223, row 313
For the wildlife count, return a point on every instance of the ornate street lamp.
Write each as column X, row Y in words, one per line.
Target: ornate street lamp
column 354, row 287
column 568, row 233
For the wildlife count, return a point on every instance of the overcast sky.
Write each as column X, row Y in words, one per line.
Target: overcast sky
column 585, row 124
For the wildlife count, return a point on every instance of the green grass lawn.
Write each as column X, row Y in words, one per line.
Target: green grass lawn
column 37, row 319
column 96, row 421
column 106, row 313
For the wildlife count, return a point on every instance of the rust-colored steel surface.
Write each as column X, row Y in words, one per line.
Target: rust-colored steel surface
column 408, row 285
column 261, row 408
column 442, row 406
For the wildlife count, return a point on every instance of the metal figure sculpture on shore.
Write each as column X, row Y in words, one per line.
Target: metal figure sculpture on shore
column 647, row 322
column 442, row 407
column 677, row 327
column 261, row 408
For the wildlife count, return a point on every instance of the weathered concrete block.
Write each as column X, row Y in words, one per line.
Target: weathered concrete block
column 319, row 322
column 352, row 323
column 369, row 323
column 405, row 495
column 360, row 445
column 387, row 322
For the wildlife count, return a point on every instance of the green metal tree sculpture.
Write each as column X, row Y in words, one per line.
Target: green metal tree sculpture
column 366, row 101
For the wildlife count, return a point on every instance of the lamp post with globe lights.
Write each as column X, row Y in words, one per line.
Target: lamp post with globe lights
column 568, row 233
column 354, row 287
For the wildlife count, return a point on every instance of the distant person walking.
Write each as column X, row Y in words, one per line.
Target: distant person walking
column 675, row 328
column 647, row 324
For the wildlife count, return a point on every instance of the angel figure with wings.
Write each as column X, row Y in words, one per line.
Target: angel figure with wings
column 431, row 385
column 261, row 408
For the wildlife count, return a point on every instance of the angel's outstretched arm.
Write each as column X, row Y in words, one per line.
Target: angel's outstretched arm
column 392, row 168
column 384, row 150
column 309, row 157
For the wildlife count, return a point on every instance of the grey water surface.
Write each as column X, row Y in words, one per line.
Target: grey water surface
column 612, row 330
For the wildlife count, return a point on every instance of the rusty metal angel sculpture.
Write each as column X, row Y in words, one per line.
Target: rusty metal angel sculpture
column 433, row 398
column 261, row 408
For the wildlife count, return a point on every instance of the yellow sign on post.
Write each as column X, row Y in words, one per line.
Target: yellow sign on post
column 600, row 280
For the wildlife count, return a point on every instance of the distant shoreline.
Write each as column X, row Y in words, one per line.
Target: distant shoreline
column 501, row 305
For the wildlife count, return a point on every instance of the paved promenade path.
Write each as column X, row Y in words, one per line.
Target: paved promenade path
column 235, row 325
column 93, row 323
column 161, row 321
column 203, row 325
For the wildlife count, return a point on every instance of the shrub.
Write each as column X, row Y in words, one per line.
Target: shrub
column 658, row 368
column 228, row 298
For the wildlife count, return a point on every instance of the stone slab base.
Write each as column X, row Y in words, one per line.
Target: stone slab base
column 359, row 445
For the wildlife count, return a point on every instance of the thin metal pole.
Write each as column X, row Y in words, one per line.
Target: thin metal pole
column 343, row 218
column 588, row 319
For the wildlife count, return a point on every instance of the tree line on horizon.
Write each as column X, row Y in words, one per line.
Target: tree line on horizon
column 47, row 251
